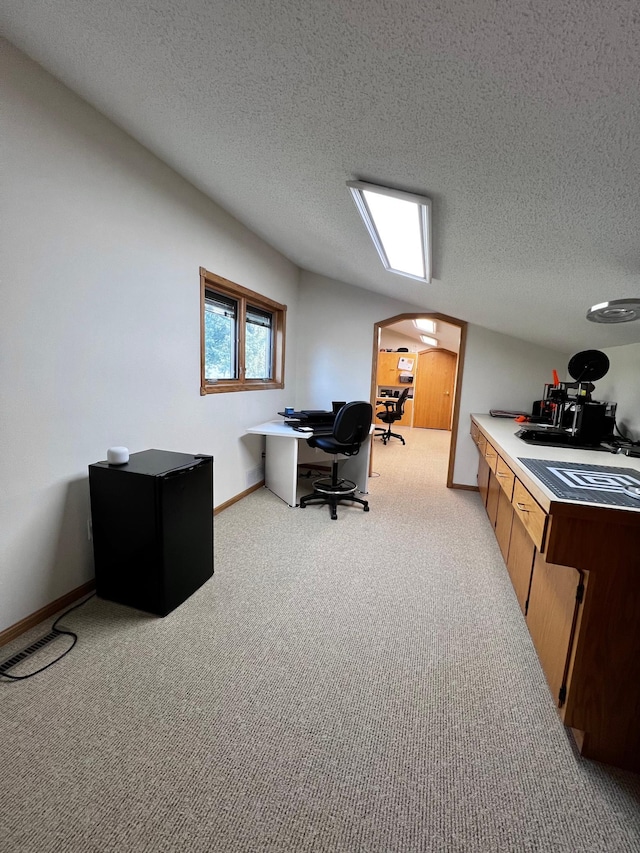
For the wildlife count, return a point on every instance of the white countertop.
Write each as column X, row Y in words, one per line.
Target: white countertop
column 503, row 431
column 276, row 428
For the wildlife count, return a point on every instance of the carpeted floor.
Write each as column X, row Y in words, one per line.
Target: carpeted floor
column 365, row 684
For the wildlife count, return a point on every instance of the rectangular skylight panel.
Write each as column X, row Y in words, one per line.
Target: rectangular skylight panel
column 398, row 224
column 432, row 342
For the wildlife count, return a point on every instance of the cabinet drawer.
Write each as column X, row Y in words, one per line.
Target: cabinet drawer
column 491, row 455
column 482, row 442
column 475, row 432
column 505, row 476
column 530, row 514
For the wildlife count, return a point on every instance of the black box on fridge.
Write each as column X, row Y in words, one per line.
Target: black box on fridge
column 152, row 528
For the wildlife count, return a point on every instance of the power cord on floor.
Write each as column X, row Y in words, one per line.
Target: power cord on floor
column 53, row 634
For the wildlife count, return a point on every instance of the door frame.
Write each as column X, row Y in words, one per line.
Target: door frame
column 427, row 315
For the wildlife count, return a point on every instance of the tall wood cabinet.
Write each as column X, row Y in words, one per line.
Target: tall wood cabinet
column 388, row 379
column 575, row 570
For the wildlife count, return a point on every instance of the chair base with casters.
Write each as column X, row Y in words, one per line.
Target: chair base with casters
column 350, row 429
column 386, row 434
column 333, row 491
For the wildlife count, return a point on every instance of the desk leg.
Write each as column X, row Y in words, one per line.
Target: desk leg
column 281, row 467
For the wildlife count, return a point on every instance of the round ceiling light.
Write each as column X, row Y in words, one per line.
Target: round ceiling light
column 616, row 311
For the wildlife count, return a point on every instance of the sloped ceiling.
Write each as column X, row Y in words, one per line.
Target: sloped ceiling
column 520, row 119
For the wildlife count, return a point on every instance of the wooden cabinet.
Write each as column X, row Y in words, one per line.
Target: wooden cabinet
column 504, row 521
column 520, row 557
column 483, row 479
column 506, row 477
column 388, row 370
column 575, row 570
column 555, row 597
column 530, row 514
column 388, row 377
column 493, row 493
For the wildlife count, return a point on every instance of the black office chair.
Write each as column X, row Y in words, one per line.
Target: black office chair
column 350, row 429
column 393, row 411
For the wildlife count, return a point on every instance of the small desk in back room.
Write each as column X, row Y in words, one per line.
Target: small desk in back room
column 286, row 448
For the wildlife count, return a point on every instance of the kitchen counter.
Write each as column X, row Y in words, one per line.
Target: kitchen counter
column 502, row 432
column 575, row 569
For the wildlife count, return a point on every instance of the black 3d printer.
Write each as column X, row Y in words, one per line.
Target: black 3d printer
column 567, row 416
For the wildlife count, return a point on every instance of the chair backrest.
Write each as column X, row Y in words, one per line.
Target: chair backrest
column 401, row 400
column 353, row 422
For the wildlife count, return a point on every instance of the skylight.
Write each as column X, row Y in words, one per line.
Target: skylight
column 425, row 325
column 399, row 224
column 432, row 342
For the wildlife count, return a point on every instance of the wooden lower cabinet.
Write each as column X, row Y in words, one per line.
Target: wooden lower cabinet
column 519, row 561
column 493, row 493
column 575, row 571
column 483, row 479
column 504, row 521
column 555, row 597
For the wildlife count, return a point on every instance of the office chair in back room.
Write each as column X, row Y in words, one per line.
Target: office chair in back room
column 393, row 411
column 350, row 428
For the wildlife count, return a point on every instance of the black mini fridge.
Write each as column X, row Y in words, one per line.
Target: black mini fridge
column 152, row 528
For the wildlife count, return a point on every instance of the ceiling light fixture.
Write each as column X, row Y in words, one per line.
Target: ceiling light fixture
column 432, row 342
column 399, row 224
column 616, row 311
column 425, row 325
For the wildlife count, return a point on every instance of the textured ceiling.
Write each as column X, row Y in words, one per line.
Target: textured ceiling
column 519, row 118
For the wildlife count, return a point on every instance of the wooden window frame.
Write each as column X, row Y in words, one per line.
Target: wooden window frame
column 243, row 296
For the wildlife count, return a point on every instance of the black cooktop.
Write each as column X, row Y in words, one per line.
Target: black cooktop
column 576, row 481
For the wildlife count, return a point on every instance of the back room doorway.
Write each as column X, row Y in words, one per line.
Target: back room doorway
column 419, row 357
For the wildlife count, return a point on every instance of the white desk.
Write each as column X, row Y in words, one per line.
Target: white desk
column 285, row 448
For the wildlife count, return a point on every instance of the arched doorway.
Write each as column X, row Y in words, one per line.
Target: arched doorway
column 461, row 325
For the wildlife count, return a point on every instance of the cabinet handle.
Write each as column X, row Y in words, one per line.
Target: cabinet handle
column 498, row 474
column 522, row 507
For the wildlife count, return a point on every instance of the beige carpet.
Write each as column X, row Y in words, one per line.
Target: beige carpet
column 365, row 684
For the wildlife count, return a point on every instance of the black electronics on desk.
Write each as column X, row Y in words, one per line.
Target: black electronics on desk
column 313, row 418
column 152, row 524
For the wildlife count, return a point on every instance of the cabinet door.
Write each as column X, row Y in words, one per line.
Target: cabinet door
column 504, row 518
column 520, row 560
column 554, row 600
column 388, row 368
column 493, row 493
column 483, row 479
column 407, row 414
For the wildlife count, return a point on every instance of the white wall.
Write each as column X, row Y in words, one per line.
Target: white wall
column 336, row 351
column 335, row 340
column 621, row 385
column 501, row 372
column 389, row 339
column 99, row 326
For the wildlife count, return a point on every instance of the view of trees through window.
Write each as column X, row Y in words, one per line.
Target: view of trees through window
column 242, row 343
column 257, row 347
column 221, row 344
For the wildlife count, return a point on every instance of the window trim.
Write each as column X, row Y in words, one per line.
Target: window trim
column 211, row 281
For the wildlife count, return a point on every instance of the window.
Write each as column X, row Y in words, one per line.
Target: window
column 242, row 338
